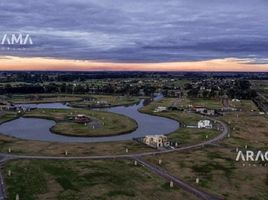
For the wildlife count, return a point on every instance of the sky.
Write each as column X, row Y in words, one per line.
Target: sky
column 126, row 34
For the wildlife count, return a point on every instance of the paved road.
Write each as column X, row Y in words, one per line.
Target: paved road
column 180, row 183
column 222, row 135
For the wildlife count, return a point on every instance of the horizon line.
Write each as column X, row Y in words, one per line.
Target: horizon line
column 13, row 63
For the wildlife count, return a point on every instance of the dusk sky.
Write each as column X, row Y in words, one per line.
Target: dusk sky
column 140, row 34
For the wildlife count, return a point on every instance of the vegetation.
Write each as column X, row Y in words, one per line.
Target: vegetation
column 41, row 98
column 185, row 118
column 216, row 167
column 215, row 88
column 74, row 149
column 183, row 136
column 76, row 100
column 186, row 136
column 104, row 101
column 102, row 123
column 83, row 180
column 7, row 116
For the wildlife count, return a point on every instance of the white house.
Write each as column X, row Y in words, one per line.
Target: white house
column 156, row 141
column 160, row 109
column 204, row 124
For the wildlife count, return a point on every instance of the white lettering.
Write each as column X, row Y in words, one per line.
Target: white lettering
column 259, row 154
column 28, row 38
column 249, row 155
column 266, row 155
column 5, row 39
column 14, row 39
column 240, row 154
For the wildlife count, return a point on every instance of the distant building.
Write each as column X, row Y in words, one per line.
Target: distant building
column 235, row 100
column 228, row 109
column 199, row 109
column 160, row 109
column 209, row 112
column 80, row 118
column 204, row 124
column 156, row 141
column 203, row 110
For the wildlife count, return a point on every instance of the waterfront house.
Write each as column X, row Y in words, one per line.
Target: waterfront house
column 156, row 141
column 160, row 109
column 80, row 118
column 204, row 124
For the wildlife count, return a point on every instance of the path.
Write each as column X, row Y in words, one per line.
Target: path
column 178, row 182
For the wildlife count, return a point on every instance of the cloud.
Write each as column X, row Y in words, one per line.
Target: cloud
column 40, row 63
column 138, row 31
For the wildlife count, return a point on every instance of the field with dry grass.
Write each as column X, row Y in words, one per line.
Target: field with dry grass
column 86, row 180
column 216, row 167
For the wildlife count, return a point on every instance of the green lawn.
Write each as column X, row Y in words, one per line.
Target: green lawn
column 208, row 103
column 43, row 98
column 185, row 118
column 107, row 123
column 7, row 116
column 191, row 135
column 182, row 135
column 79, row 100
column 109, row 99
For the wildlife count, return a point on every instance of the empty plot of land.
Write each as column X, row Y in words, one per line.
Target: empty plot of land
column 83, row 180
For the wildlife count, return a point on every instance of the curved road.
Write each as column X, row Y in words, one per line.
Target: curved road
column 187, row 187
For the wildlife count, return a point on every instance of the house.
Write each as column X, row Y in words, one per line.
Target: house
column 209, row 112
column 204, row 124
column 199, row 109
column 102, row 102
column 228, row 109
column 156, row 141
column 203, row 110
column 160, row 109
column 235, row 100
column 80, row 118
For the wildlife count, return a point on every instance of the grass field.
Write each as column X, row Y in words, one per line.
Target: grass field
column 78, row 100
column 247, row 129
column 7, row 116
column 260, row 85
column 208, row 103
column 183, row 136
column 185, row 118
column 186, row 136
column 42, row 98
column 108, row 123
column 109, row 99
column 19, row 146
column 86, row 180
column 218, row 173
column 216, row 166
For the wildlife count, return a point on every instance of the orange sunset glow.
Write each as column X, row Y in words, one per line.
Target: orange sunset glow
column 42, row 64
